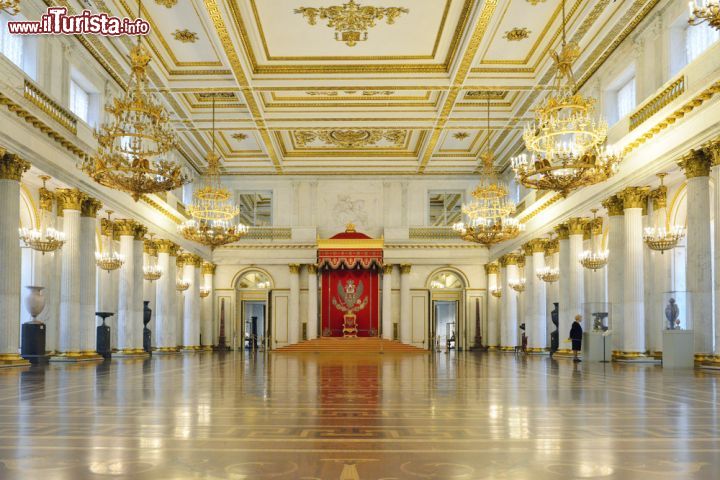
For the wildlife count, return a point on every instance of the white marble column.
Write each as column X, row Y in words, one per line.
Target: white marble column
column 12, row 168
column 387, row 324
column 599, row 277
column 405, row 304
column 537, row 317
column 294, row 317
column 165, row 309
column 88, row 278
column 616, row 268
column 69, row 346
column 552, row 289
column 191, row 307
column 138, row 249
column 566, row 316
column 207, row 313
column 661, row 279
column 696, row 166
column 493, row 334
column 47, row 274
column 312, row 306
column 509, row 303
column 713, row 150
column 576, row 297
column 178, row 302
column 129, row 323
column 150, row 288
column 633, row 281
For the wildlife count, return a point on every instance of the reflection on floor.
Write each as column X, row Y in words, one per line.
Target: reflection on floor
column 464, row 416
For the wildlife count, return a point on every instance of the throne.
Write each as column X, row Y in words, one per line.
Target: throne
column 350, row 325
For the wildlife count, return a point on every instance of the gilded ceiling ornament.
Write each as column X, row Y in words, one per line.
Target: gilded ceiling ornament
column 535, row 2
column 239, row 136
column 461, row 135
column 517, row 34
column 485, row 94
column 167, row 3
column 323, row 93
column 185, row 36
column 351, row 21
column 351, row 138
column 12, row 7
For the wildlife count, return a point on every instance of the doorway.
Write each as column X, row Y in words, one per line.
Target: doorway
column 445, row 321
column 252, row 328
column 254, row 321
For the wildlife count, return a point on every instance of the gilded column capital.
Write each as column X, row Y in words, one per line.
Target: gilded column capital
column 509, row 259
column 695, row 163
column 659, row 197
column 140, row 231
column 387, row 269
column 713, row 151
column 294, row 267
column 125, row 227
column 90, row 207
column 520, row 260
column 70, row 198
column 107, row 227
column 150, row 247
column 312, row 269
column 596, row 226
column 552, row 246
column 166, row 246
column 208, row 268
column 576, row 225
column 537, row 245
column 188, row 258
column 562, row 231
column 526, row 249
column 180, row 260
column 614, row 206
column 492, row 268
column 12, row 166
column 405, row 268
column 634, row 197
column 46, row 199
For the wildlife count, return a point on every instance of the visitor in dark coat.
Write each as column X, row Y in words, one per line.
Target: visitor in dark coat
column 576, row 333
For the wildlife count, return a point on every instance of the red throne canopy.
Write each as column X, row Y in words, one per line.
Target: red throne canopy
column 350, row 263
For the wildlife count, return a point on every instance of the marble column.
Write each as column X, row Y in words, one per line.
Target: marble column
column 713, row 150
column 565, row 317
column 49, row 275
column 130, row 278
column 493, row 283
column 698, row 272
column 165, row 309
column 294, row 315
column 598, row 294
column 69, row 344
column 107, row 283
column 150, row 287
column 537, row 317
column 387, row 325
column 88, row 277
column 405, row 304
column 12, row 168
column 576, row 297
column 312, row 306
column 207, row 312
column 509, row 303
column 178, row 301
column 661, row 279
column 616, row 268
column 633, row 310
column 191, row 307
column 552, row 260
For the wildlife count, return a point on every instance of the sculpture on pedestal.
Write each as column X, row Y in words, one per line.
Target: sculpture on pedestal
column 672, row 314
column 103, row 336
column 147, row 315
column 32, row 347
column 554, row 337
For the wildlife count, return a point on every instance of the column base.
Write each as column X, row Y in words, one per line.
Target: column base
column 565, row 353
column 493, row 348
column 66, row 357
column 656, row 355
column 538, row 351
column 13, row 360
column 131, row 353
column 711, row 362
column 506, row 349
column 206, row 348
column 166, row 351
column 190, row 348
column 634, row 357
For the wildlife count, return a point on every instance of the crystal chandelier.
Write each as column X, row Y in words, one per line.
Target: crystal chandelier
column 151, row 271
column 212, row 210
column 660, row 238
column 548, row 275
column 518, row 286
column 135, row 146
column 565, row 141
column 108, row 259
column 43, row 239
column 10, row 6
column 182, row 285
column 594, row 259
column 496, row 292
column 489, row 215
column 702, row 11
column 204, row 292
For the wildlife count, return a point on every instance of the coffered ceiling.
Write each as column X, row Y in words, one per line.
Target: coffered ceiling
column 295, row 96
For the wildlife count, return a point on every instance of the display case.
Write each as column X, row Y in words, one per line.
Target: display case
column 598, row 316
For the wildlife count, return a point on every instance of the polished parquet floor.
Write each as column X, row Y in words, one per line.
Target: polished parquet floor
column 310, row 416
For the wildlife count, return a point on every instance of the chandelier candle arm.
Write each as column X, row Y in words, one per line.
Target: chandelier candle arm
column 704, row 11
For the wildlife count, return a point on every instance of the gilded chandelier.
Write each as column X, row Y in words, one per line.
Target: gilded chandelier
column 108, row 259
column 351, row 21
column 135, row 146
column 182, row 285
column 151, row 271
column 489, row 215
column 212, row 210
column 518, row 286
column 659, row 238
column 548, row 275
column 44, row 239
column 496, row 292
column 565, row 141
column 594, row 258
column 10, row 6
column 702, row 11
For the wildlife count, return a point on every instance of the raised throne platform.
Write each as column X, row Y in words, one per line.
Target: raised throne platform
column 350, row 345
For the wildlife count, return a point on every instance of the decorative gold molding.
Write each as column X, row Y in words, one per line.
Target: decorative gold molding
column 432, row 233
column 167, row 3
column 350, row 138
column 576, row 225
column 312, row 269
column 552, row 246
column 517, row 34
column 510, row 259
column 185, row 36
column 537, row 245
column 460, row 135
column 208, row 268
column 659, row 197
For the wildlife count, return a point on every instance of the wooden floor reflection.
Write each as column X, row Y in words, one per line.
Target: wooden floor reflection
column 464, row 416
